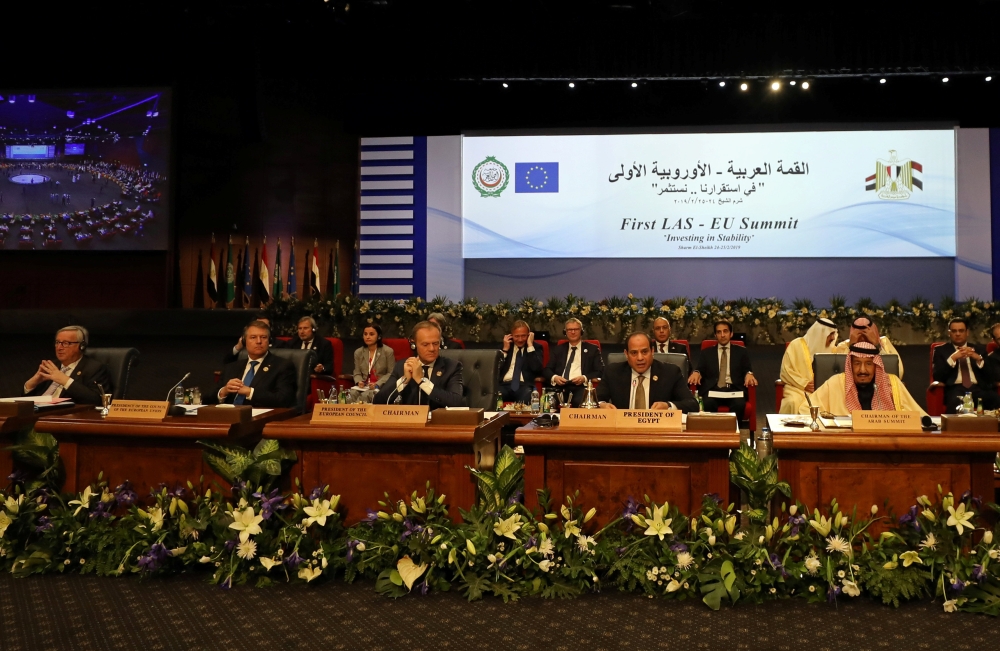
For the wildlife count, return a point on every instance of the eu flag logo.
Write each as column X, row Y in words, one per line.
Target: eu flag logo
column 536, row 177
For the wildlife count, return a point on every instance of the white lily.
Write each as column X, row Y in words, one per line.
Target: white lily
column 318, row 512
column 247, row 523
column 309, row 573
column 156, row 518
column 82, row 503
column 571, row 529
column 4, row 523
column 910, row 557
column 268, row 563
column 851, row 589
column 658, row 526
column 960, row 518
column 545, row 565
column 508, row 527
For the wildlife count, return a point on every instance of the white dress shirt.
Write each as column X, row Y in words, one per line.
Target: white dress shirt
column 245, row 369
column 510, row 369
column 575, row 370
column 425, row 384
column 635, row 385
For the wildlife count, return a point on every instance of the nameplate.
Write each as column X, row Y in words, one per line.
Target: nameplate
column 587, row 419
column 885, row 421
column 335, row 413
column 400, row 414
column 667, row 420
column 324, row 414
column 138, row 409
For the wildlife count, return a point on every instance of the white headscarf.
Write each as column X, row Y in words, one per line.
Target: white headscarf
column 817, row 334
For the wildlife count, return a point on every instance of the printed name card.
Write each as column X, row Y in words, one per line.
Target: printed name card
column 138, row 409
column 886, row 421
column 659, row 421
column 400, row 414
column 587, row 419
column 362, row 413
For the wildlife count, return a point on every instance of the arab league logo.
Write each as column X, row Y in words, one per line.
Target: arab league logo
column 490, row 177
column 894, row 179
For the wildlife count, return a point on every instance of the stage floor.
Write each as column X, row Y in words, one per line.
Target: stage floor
column 62, row 612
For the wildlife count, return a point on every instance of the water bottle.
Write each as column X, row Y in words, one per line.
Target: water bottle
column 536, row 405
column 546, row 402
column 342, row 396
column 968, row 407
column 179, row 395
column 499, row 401
column 701, row 404
column 979, row 407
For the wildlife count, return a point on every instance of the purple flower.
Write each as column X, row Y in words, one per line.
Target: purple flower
column 630, row 508
column 293, row 560
column 316, row 493
column 270, row 503
column 102, row 510
column 238, row 489
column 230, row 545
column 351, row 544
column 715, row 497
column 124, row 495
column 796, row 521
column 973, row 501
column 228, row 583
column 154, row 558
column 833, row 593
column 409, row 528
column 978, row 574
column 516, row 497
column 776, row 564
column 958, row 585
column 18, row 477
column 532, row 542
column 371, row 518
column 424, row 588
column 910, row 517
column 44, row 524
column 678, row 547
column 178, row 492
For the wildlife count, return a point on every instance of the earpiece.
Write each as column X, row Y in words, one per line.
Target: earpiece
column 413, row 345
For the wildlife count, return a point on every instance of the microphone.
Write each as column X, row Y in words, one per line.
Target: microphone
column 186, row 376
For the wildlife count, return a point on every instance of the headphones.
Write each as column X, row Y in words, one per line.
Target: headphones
column 81, row 332
column 580, row 323
column 312, row 322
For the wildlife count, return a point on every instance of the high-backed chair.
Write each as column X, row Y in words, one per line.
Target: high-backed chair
column 749, row 416
column 479, row 375
column 544, row 346
column 826, row 365
column 336, row 380
column 453, row 343
column 120, row 362
column 400, row 347
column 935, row 392
column 683, row 342
column 304, row 362
column 680, row 361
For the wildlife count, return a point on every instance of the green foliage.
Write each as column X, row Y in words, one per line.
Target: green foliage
column 40, row 452
column 758, row 478
column 261, row 466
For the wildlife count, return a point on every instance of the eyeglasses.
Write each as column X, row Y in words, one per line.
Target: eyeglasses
column 66, row 344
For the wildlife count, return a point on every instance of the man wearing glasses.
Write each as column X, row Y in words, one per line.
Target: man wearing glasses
column 75, row 376
column 573, row 363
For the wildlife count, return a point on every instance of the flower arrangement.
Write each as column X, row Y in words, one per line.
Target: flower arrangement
column 253, row 532
column 767, row 320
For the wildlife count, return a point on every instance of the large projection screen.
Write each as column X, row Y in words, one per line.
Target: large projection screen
column 735, row 195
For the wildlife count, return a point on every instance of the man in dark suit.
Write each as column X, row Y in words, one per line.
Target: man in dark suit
column 263, row 380
column 309, row 340
column 520, row 365
column 641, row 382
column 574, row 362
column 426, row 379
column 961, row 368
column 75, row 377
column 661, row 338
column 723, row 368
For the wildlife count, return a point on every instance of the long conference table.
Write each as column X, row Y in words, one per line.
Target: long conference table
column 883, row 469
column 147, row 453
column 363, row 461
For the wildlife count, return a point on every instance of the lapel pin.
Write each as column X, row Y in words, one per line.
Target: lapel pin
column 79, row 373
column 655, row 379
column 439, row 373
column 584, row 350
column 267, row 368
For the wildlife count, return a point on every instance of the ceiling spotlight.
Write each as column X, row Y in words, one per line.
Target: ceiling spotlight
column 635, row 85
column 11, row 99
column 505, row 85
column 944, row 79
column 792, row 83
column 989, row 79
column 70, row 114
column 149, row 114
column 805, row 85
column 882, row 80
column 775, row 85
column 722, row 84
column 743, row 86
column 31, row 99
column 572, row 85
column 156, row 114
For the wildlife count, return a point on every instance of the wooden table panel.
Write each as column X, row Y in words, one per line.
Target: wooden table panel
column 11, row 426
column 608, row 467
column 361, row 462
column 145, row 453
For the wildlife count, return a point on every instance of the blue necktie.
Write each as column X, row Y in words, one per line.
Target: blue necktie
column 515, row 380
column 247, row 379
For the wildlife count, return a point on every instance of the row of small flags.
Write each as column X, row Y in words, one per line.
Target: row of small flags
column 257, row 285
